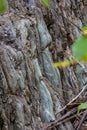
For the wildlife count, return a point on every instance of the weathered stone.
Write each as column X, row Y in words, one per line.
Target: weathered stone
column 51, row 73
column 46, row 111
column 31, row 89
column 43, row 32
column 46, row 100
column 19, row 122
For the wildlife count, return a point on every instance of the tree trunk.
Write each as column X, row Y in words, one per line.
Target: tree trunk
column 32, row 91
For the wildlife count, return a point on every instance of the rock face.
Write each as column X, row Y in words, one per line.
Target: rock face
column 31, row 37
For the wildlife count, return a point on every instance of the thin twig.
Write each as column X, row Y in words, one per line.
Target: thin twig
column 82, row 120
column 72, row 99
column 59, row 121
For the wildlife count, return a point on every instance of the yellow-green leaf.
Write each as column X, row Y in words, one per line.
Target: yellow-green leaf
column 3, row 6
column 82, row 106
column 62, row 64
column 46, row 3
column 84, row 30
column 65, row 63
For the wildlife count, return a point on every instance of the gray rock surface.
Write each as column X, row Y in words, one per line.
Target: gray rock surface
column 32, row 91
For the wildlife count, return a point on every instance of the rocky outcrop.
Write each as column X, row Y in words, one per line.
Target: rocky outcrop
column 32, row 91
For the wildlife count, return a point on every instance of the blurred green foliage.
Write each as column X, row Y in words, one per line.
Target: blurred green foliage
column 3, row 6
column 46, row 3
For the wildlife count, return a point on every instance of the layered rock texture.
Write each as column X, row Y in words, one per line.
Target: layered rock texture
column 32, row 91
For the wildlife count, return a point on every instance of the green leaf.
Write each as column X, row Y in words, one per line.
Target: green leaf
column 82, row 106
column 79, row 48
column 3, row 6
column 46, row 3
column 84, row 28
